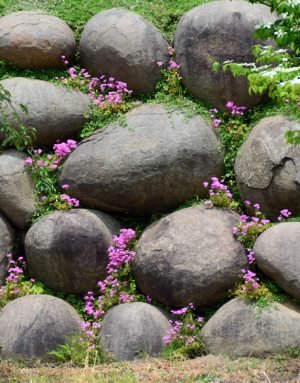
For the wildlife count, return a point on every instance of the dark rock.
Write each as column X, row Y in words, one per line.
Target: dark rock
column 267, row 168
column 222, row 30
column 190, row 256
column 34, row 325
column 236, row 330
column 154, row 163
column 36, row 41
column 17, row 199
column 121, row 44
column 73, row 245
column 54, row 111
column 133, row 327
column 7, row 239
column 276, row 252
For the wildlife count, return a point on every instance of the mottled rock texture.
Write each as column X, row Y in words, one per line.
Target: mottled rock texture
column 7, row 239
column 190, row 256
column 235, row 330
column 73, row 245
column 34, row 325
column 54, row 111
column 267, row 170
column 222, row 30
column 17, row 199
column 121, row 44
column 154, row 163
column 276, row 252
column 132, row 327
column 36, row 41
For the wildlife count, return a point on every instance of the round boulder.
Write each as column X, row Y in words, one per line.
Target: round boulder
column 7, row 239
column 73, row 245
column 34, row 325
column 121, row 44
column 54, row 111
column 222, row 30
column 190, row 256
column 36, row 41
column 17, row 198
column 276, row 252
column 154, row 163
column 131, row 328
column 267, row 170
column 238, row 329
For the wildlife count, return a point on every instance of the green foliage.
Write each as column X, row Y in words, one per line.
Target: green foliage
column 21, row 137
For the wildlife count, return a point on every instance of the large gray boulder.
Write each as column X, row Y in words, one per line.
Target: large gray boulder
column 130, row 328
column 7, row 239
column 154, row 163
column 34, row 325
column 73, row 245
column 190, row 256
column 236, row 330
column 54, row 111
column 276, row 253
column 222, row 30
column 36, row 41
column 17, row 198
column 121, row 44
column 267, row 170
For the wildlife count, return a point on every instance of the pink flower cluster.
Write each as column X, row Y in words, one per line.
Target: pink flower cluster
column 71, row 201
column 284, row 213
column 249, row 221
column 112, row 91
column 15, row 274
column 250, row 278
column 119, row 258
column 234, row 110
column 89, row 329
column 216, row 188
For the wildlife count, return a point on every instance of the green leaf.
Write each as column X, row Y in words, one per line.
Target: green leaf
column 216, row 66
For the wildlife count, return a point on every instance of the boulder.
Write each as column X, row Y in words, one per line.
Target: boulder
column 236, row 330
column 154, row 163
column 73, row 245
column 54, row 111
column 190, row 256
column 17, row 198
column 36, row 41
column 131, row 328
column 7, row 239
column 267, row 170
column 123, row 45
column 222, row 30
column 276, row 253
column 34, row 325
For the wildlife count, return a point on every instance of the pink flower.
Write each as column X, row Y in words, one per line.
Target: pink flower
column 247, row 202
column 65, row 186
column 159, row 63
column 205, row 184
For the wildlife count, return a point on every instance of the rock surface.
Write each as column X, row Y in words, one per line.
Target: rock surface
column 54, row 111
column 222, row 30
column 236, row 331
column 73, row 245
column 154, row 163
column 190, row 256
column 7, row 239
column 276, row 252
column 267, row 171
column 132, row 327
column 34, row 325
column 121, row 44
column 36, row 41
column 17, row 199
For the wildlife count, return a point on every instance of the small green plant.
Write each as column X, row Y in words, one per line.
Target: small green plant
column 21, row 137
column 220, row 195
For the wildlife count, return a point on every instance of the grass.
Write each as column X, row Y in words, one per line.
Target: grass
column 165, row 15
column 205, row 369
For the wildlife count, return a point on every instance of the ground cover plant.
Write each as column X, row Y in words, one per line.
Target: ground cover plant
column 233, row 124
